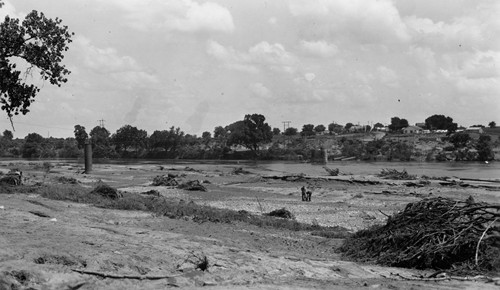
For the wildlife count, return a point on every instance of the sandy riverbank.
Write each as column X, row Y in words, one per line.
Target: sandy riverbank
column 134, row 248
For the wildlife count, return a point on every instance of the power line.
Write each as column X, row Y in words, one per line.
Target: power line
column 286, row 124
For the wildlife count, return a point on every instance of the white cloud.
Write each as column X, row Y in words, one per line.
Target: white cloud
column 260, row 90
column 107, row 61
column 10, row 10
column 309, row 77
column 387, row 76
column 262, row 55
column 319, row 48
column 177, row 15
column 368, row 21
column 102, row 60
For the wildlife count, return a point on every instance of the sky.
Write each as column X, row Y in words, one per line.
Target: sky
column 199, row 64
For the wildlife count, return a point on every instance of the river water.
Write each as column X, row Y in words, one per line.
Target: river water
column 434, row 169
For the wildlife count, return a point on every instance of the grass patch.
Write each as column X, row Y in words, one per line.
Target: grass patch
column 165, row 207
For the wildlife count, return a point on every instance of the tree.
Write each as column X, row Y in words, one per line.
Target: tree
column 483, row 147
column 101, row 147
column 38, row 41
column 397, row 124
column 378, row 125
column 81, row 136
column 276, row 131
column 320, row 128
column 460, row 140
column 33, row 146
column 8, row 135
column 348, row 126
column 308, row 130
column 129, row 137
column 251, row 133
column 492, row 124
column 206, row 135
column 335, row 128
column 440, row 122
column 169, row 140
column 291, row 131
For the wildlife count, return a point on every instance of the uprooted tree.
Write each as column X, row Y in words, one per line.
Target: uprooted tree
column 437, row 233
column 36, row 43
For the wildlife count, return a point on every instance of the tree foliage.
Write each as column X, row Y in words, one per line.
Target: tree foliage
column 129, row 137
column 440, row 122
column 460, row 140
column 397, row 124
column 334, row 127
column 492, row 124
column 308, row 130
column 80, row 136
column 291, row 131
column 36, row 42
column 484, row 148
column 320, row 128
column 169, row 140
column 251, row 132
column 8, row 135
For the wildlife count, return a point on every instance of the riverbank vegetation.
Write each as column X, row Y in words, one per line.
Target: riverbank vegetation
column 253, row 138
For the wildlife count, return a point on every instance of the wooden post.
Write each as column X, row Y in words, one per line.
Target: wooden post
column 325, row 153
column 88, row 156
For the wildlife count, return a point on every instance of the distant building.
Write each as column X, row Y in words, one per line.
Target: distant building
column 477, row 130
column 412, row 130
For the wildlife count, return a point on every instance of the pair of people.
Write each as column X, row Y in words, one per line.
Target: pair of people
column 306, row 195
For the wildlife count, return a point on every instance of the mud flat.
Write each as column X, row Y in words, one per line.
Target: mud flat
column 54, row 244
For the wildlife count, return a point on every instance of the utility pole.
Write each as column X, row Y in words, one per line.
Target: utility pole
column 101, row 123
column 286, row 124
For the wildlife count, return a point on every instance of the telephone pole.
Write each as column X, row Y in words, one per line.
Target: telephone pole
column 101, row 123
column 286, row 124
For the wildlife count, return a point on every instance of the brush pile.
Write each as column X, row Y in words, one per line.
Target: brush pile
column 437, row 233
column 395, row 174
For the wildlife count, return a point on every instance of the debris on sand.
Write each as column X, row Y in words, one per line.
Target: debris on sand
column 395, row 174
column 420, row 183
column 67, row 180
column 192, row 185
column 164, row 180
column 14, row 177
column 152, row 192
column 107, row 191
column 332, row 172
column 438, row 233
column 281, row 213
column 239, row 170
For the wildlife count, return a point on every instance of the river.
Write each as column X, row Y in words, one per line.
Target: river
column 434, row 169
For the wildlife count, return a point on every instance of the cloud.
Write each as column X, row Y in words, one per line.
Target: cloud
column 366, row 21
column 260, row 56
column 102, row 60
column 319, row 48
column 107, row 61
column 260, row 90
column 309, row 77
column 176, row 15
column 10, row 10
column 387, row 76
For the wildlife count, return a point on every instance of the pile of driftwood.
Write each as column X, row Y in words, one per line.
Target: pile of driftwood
column 165, row 180
column 107, row 191
column 395, row 174
column 332, row 172
column 437, row 233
